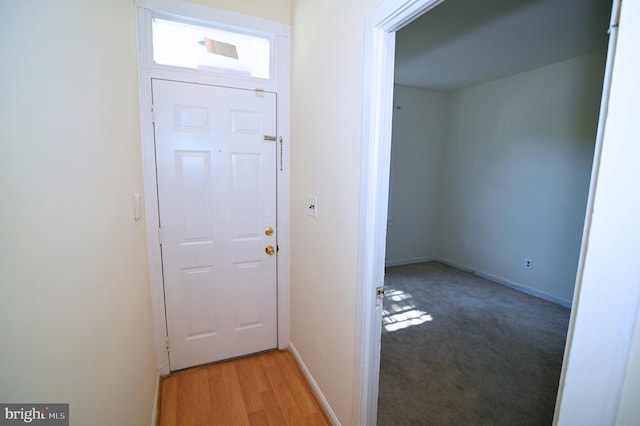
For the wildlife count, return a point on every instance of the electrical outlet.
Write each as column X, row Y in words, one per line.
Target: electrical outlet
column 528, row 263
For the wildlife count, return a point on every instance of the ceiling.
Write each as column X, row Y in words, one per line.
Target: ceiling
column 460, row 43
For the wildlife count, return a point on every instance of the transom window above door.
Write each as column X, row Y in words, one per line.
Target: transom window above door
column 186, row 45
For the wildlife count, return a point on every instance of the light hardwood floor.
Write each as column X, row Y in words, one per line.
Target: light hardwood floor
column 264, row 389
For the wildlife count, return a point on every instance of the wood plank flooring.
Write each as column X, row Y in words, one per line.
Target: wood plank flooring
column 264, row 389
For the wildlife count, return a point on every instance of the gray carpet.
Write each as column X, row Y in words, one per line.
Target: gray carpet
column 466, row 351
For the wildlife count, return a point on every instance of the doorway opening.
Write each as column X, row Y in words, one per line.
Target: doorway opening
column 384, row 22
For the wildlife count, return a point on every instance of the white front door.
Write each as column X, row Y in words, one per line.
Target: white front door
column 216, row 171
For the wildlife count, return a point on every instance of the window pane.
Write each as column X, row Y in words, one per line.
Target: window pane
column 210, row 49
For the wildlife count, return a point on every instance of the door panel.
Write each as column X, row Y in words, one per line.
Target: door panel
column 217, row 195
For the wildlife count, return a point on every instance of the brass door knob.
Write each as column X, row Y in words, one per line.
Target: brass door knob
column 268, row 231
column 270, row 250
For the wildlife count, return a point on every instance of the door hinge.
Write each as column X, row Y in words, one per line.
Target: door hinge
column 160, row 236
column 153, row 114
column 166, row 342
column 379, row 295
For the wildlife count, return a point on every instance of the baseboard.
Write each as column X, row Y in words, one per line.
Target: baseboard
column 508, row 283
column 314, row 386
column 156, row 402
column 490, row 277
column 525, row 289
column 409, row 261
column 454, row 264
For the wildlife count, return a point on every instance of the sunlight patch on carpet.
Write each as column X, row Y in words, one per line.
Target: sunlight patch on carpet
column 401, row 312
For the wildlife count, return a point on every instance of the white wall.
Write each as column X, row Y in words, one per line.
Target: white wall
column 75, row 316
column 274, row 10
column 602, row 358
column 628, row 410
column 515, row 174
column 518, row 174
column 420, row 136
column 327, row 57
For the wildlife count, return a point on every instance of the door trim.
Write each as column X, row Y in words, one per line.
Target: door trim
column 279, row 84
column 379, row 52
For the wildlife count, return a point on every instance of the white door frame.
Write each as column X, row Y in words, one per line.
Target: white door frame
column 379, row 52
column 380, row 27
column 279, row 84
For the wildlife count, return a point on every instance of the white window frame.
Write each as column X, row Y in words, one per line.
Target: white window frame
column 279, row 83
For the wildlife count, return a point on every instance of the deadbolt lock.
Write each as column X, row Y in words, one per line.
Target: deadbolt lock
column 268, row 231
column 269, row 250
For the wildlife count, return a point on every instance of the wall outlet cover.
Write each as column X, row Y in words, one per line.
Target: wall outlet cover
column 312, row 206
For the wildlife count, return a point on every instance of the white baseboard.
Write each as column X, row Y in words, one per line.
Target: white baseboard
column 491, row 277
column 409, row 261
column 156, row 395
column 454, row 264
column 314, row 386
column 508, row 283
column 525, row 289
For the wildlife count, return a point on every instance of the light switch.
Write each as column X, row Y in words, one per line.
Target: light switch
column 137, row 206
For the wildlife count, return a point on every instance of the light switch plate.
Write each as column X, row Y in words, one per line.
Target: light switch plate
column 137, row 206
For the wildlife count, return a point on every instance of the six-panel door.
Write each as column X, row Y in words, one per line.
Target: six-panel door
column 217, row 199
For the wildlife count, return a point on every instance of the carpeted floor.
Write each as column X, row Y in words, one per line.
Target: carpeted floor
column 466, row 351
